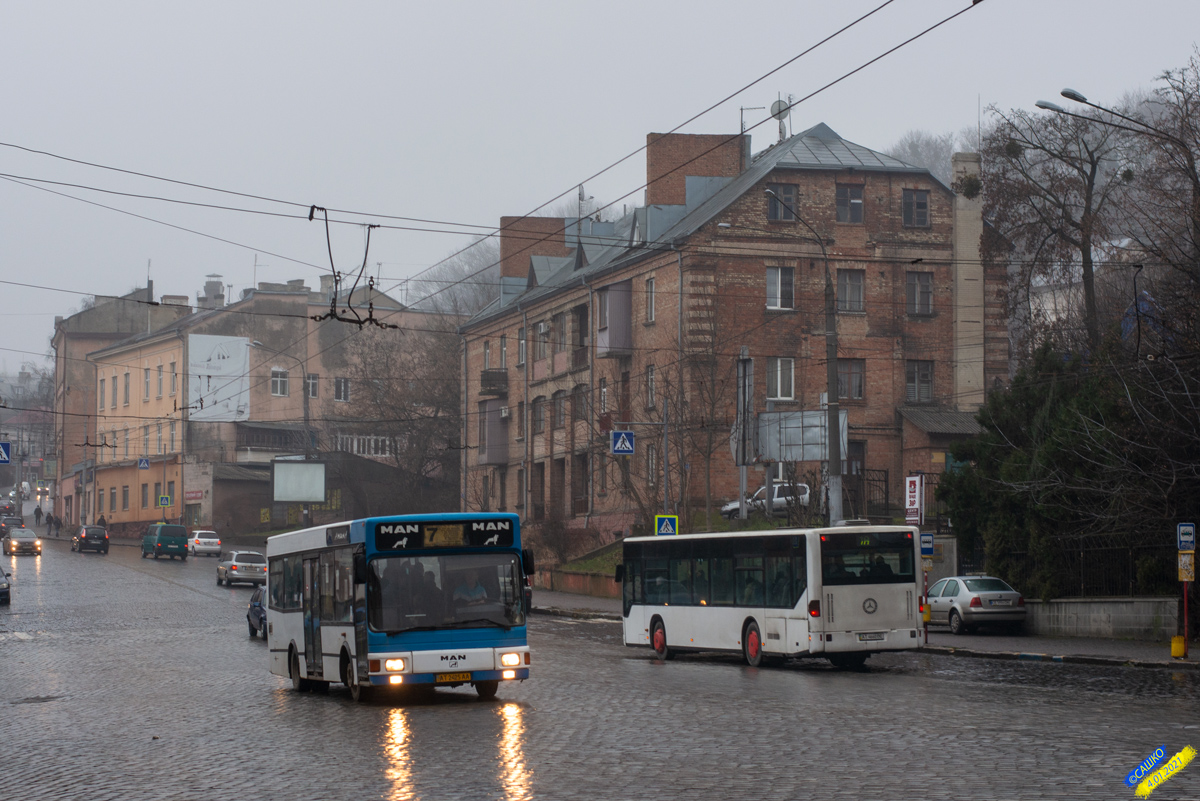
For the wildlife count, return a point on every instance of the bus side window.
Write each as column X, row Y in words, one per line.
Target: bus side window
column 275, row 580
column 701, row 592
column 722, row 581
column 657, row 581
column 681, row 581
column 799, row 576
column 779, row 582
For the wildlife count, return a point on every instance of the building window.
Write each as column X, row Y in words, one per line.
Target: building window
column 127, row 443
column 171, row 492
column 145, row 496
column 312, row 381
column 558, row 324
column 146, row 383
column 520, row 346
column 125, row 499
column 602, row 309
column 852, row 376
column 919, row 380
column 781, row 205
column 101, row 394
column 559, row 399
column 174, row 379
column 651, row 464
column 160, row 381
column 601, row 476
column 780, row 288
column 157, row 493
column 920, row 293
column 112, row 499
column 849, row 204
column 126, row 390
column 483, row 427
column 145, row 440
column 172, row 438
column 487, row 355
column 341, row 389
column 520, row 488
column 502, row 489
column 649, row 300
column 521, row 420
column 503, row 352
column 279, row 382
column 916, row 208
column 539, row 415
column 158, row 442
column 850, row 290
column 779, row 378
column 100, row 500
column 651, row 394
column 541, row 342
column 579, row 403
column 603, row 396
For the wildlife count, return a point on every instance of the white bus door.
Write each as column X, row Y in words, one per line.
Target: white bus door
column 312, row 620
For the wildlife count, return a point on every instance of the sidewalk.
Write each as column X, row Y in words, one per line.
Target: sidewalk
column 1078, row 650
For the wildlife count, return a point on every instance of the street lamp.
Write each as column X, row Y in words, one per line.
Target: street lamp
column 304, row 400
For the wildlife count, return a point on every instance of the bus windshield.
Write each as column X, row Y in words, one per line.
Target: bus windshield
column 867, row 558
column 406, row 593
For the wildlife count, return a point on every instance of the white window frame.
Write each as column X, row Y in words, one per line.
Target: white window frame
column 780, row 372
column 846, row 303
column 651, row 394
column 521, row 340
column 918, row 293
column 650, row 299
column 311, row 383
column 279, row 382
column 775, row 288
column 341, row 390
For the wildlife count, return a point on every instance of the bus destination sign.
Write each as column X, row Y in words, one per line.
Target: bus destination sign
column 457, row 534
column 337, row 536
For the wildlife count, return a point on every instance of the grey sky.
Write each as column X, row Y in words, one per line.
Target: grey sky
column 459, row 112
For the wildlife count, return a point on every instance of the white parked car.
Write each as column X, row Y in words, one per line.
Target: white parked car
column 204, row 542
column 783, row 496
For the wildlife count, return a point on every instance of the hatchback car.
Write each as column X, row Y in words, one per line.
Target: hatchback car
column 204, row 542
column 248, row 567
column 256, row 612
column 8, row 523
column 22, row 540
column 5, row 589
column 964, row 602
column 90, row 538
column 783, row 496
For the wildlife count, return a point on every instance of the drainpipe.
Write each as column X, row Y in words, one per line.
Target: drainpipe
column 587, row 518
column 527, row 490
column 462, row 459
column 679, row 358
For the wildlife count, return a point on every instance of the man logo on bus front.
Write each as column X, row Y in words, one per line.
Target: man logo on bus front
column 869, row 606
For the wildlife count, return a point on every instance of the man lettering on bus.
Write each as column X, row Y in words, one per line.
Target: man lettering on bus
column 470, row 592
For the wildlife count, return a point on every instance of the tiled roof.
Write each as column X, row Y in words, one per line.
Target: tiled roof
column 942, row 421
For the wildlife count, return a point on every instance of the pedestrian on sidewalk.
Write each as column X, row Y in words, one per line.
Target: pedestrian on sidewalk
column 37, row 515
column 101, row 522
column 57, row 525
column 49, row 524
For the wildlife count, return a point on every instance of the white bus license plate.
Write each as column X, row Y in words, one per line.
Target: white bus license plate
column 871, row 635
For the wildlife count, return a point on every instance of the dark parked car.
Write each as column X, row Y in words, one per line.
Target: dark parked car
column 90, row 538
column 5, row 589
column 7, row 523
column 256, row 612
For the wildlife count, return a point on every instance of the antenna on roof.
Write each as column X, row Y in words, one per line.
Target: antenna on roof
column 744, row 109
column 780, row 110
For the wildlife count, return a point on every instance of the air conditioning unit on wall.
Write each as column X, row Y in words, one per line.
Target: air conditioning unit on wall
column 503, row 412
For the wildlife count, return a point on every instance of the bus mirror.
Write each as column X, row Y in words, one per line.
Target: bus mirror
column 527, row 561
column 360, row 568
column 619, row 574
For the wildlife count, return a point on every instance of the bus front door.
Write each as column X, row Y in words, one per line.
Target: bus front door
column 312, row 620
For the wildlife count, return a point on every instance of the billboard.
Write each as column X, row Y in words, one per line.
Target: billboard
column 298, row 482
column 218, row 378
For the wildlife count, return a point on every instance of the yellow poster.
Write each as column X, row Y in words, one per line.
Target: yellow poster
column 1187, row 565
column 264, row 515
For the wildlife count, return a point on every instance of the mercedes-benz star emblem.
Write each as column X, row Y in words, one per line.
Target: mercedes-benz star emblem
column 869, row 606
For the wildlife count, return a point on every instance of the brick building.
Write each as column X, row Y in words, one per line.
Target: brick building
column 638, row 323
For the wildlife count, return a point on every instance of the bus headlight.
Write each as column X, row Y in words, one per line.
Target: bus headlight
column 509, row 674
column 510, row 660
column 394, row 664
column 396, row 679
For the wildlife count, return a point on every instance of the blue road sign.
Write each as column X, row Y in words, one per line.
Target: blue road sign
column 622, row 443
column 1186, row 534
column 926, row 545
column 143, row 464
column 4, row 451
column 164, row 500
column 666, row 525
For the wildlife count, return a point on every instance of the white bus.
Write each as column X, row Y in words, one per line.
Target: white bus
column 841, row 593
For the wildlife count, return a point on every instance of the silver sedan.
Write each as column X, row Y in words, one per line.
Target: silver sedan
column 963, row 602
column 248, row 567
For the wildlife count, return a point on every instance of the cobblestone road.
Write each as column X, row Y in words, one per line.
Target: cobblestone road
column 123, row 678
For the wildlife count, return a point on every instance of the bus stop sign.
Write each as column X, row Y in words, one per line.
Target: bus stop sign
column 926, row 545
column 666, row 525
column 1185, row 533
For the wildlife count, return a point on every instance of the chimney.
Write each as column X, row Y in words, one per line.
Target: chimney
column 326, row 285
column 969, row 298
column 213, row 296
column 522, row 237
column 174, row 300
column 671, row 157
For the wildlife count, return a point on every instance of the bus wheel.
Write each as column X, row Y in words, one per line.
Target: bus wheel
column 299, row 684
column 752, row 645
column 487, row 689
column 658, row 641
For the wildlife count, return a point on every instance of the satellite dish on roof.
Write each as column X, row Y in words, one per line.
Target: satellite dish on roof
column 780, row 109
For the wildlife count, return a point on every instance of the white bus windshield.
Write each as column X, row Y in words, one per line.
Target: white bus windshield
column 407, row 593
column 867, row 558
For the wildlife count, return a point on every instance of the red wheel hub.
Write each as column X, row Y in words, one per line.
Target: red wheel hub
column 752, row 644
column 660, row 640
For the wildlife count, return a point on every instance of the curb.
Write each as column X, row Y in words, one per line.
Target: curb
column 1064, row 659
column 576, row 614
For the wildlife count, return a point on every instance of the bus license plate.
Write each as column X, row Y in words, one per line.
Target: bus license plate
column 871, row 635
column 441, row 677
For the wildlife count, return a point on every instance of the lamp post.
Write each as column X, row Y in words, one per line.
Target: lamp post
column 304, row 402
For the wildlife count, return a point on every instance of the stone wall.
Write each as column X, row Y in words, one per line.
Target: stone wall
column 1149, row 618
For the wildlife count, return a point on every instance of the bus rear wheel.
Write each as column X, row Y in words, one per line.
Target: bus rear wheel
column 752, row 645
column 658, row 641
column 487, row 689
column 299, row 684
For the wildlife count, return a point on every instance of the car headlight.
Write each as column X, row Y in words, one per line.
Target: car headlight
column 3, row 585
column 393, row 664
column 38, row 543
column 510, row 660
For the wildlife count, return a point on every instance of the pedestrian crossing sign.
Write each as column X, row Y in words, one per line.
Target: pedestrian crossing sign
column 622, row 443
column 5, row 451
column 666, row 525
column 143, row 463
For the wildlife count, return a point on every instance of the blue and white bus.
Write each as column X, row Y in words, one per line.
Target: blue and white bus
column 414, row 600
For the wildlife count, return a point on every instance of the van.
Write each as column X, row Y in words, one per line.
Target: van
column 165, row 539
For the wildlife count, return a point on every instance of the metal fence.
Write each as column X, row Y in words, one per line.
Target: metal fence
column 1075, row 571
column 866, row 494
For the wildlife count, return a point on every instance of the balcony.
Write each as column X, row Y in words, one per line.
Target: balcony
column 493, row 383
